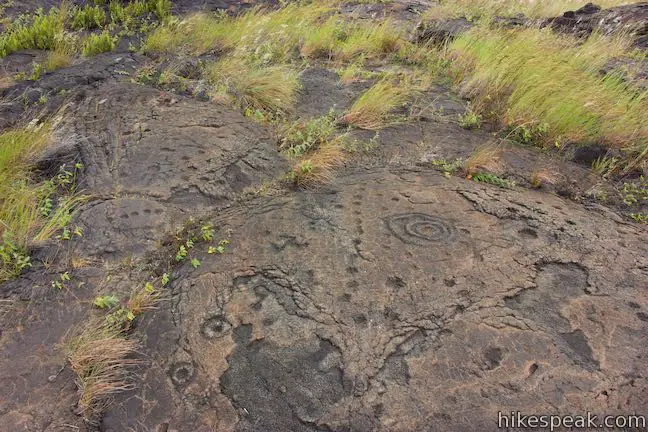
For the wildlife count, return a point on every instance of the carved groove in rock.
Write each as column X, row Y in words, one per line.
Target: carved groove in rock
column 420, row 229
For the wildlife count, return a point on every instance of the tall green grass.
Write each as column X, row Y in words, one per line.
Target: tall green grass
column 270, row 90
column 532, row 78
column 41, row 33
column 293, row 32
column 263, row 49
column 88, row 17
column 98, row 43
column 270, row 36
column 476, row 9
column 28, row 213
column 43, row 30
column 375, row 108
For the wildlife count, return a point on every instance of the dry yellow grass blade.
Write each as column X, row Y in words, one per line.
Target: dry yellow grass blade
column 100, row 355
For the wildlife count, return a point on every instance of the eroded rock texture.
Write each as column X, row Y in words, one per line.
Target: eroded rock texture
column 400, row 301
column 394, row 299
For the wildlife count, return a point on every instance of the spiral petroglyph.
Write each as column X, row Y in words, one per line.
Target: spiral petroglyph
column 420, row 229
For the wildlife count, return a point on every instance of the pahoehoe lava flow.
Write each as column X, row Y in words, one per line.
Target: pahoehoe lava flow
column 322, row 215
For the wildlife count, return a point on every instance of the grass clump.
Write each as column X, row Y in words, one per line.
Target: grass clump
column 486, row 157
column 40, row 33
column 88, row 18
column 549, row 88
column 318, row 167
column 354, row 72
column 301, row 137
column 100, row 355
column 98, row 43
column 128, row 14
column 368, row 40
column 262, row 49
column 494, row 179
column 256, row 34
column 375, row 108
column 270, row 90
column 29, row 210
column 161, row 8
column 64, row 50
column 470, row 119
column 290, row 33
column 484, row 9
column 344, row 41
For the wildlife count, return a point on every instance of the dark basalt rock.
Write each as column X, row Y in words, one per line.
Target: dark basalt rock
column 632, row 19
column 441, row 31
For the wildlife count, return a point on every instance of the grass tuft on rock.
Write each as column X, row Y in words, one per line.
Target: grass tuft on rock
column 40, row 33
column 271, row 90
column 100, row 355
column 98, row 43
column 375, row 108
column 549, row 87
column 29, row 210
column 485, row 9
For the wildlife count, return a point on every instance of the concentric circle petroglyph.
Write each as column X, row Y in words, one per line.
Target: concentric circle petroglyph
column 420, row 229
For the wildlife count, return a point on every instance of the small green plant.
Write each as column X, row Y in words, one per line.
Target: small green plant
column 98, row 43
column 301, row 137
column 535, row 134
column 640, row 217
column 121, row 318
column 78, row 231
column 195, row 262
column 13, row 259
column 106, row 302
column 470, row 119
column 165, row 279
column 182, row 253
column 207, row 232
column 636, row 192
column 65, row 235
column 447, row 167
column 220, row 249
column 37, row 71
column 604, row 166
column 39, row 33
column 47, row 206
column 60, row 282
column 484, row 177
column 305, row 167
column 161, row 8
column 88, row 18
